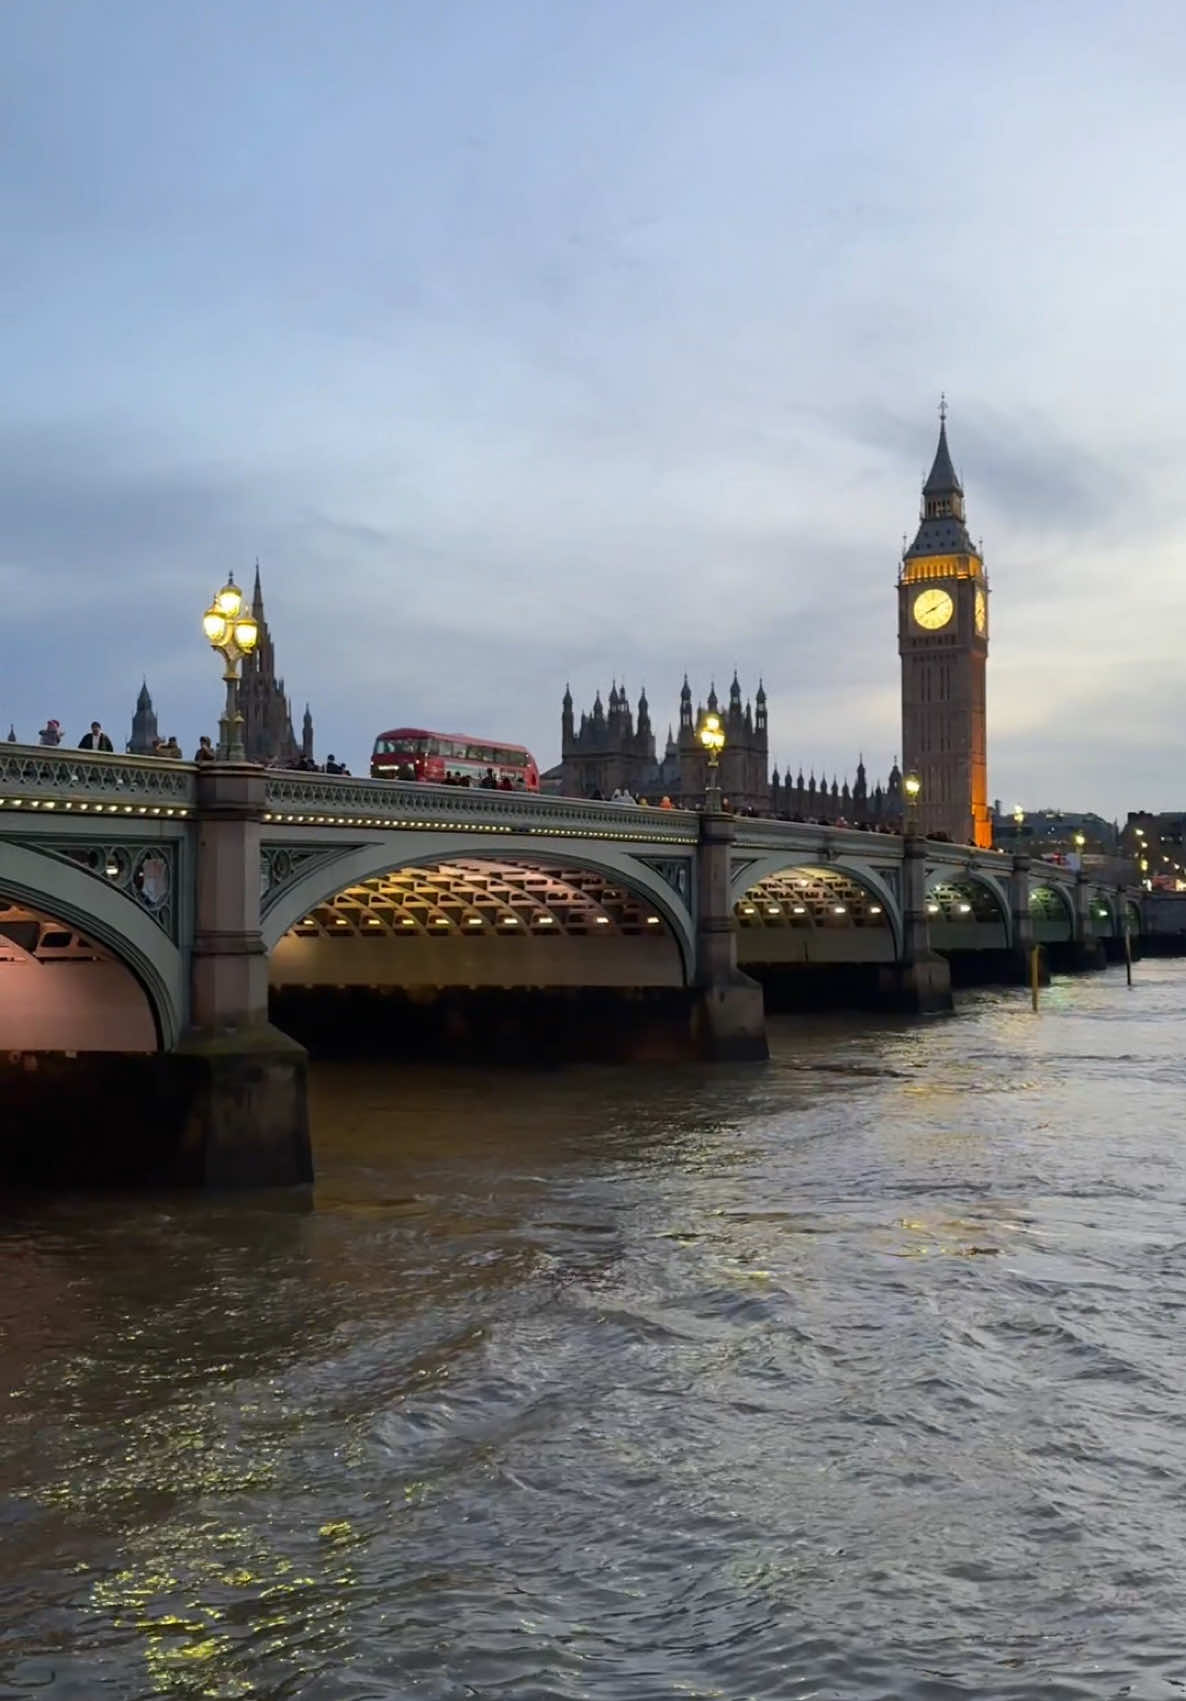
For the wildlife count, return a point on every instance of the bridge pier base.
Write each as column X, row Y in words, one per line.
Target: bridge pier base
column 243, row 1081
column 728, row 1008
column 1021, row 972
column 244, row 1106
column 921, row 981
column 1088, row 954
column 920, row 988
column 729, row 1021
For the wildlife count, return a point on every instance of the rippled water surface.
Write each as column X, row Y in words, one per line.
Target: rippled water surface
column 857, row 1375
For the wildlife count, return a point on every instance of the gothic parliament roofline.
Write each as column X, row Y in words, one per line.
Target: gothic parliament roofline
column 604, row 752
column 267, row 715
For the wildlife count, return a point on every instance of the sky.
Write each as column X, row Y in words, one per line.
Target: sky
column 528, row 342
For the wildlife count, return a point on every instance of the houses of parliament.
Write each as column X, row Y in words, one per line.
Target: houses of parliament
column 942, row 592
column 942, row 595
column 610, row 751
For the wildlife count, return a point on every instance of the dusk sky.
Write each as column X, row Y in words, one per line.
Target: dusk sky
column 581, row 339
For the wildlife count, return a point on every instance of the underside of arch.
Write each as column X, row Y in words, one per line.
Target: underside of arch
column 804, row 914
column 60, row 990
column 482, row 921
column 965, row 914
column 1103, row 915
column 1052, row 915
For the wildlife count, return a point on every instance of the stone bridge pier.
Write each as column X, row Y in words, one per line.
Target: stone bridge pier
column 729, row 1013
column 245, row 1081
column 1088, row 951
column 921, row 979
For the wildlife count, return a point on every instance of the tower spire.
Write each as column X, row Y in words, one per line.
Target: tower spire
column 942, row 480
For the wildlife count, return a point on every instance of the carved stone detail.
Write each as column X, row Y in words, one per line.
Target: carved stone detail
column 675, row 872
column 145, row 873
column 282, row 865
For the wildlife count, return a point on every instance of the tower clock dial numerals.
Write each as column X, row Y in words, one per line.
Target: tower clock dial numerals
column 932, row 609
column 981, row 613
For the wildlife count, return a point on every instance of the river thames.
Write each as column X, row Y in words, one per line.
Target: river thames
column 859, row 1374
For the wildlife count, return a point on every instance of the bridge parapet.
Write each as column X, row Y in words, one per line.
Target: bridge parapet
column 91, row 782
column 759, row 833
column 325, row 800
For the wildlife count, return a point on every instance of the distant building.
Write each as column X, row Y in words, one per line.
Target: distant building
column 744, row 773
column 857, row 805
column 267, row 718
column 143, row 741
column 1042, row 831
column 609, row 750
column 1157, row 844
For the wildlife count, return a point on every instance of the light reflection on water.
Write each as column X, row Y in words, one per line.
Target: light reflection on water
column 855, row 1375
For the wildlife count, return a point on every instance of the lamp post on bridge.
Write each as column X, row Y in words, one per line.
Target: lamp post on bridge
column 712, row 736
column 912, row 786
column 233, row 631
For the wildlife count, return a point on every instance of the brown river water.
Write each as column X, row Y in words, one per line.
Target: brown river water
column 860, row 1374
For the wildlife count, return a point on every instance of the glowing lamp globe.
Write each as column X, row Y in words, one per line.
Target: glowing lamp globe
column 912, row 785
column 711, row 733
column 246, row 632
column 229, row 599
column 214, row 625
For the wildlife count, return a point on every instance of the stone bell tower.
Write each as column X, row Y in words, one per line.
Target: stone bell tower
column 943, row 643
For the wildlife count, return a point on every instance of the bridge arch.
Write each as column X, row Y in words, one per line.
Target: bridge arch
column 633, row 880
column 1052, row 909
column 966, row 910
column 1103, row 914
column 751, row 884
column 53, row 897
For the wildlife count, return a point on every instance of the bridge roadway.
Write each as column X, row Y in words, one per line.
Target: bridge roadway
column 147, row 906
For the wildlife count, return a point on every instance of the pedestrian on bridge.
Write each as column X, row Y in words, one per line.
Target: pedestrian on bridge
column 95, row 739
column 51, row 733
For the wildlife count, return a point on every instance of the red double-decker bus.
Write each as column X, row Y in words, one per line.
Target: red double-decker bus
column 410, row 752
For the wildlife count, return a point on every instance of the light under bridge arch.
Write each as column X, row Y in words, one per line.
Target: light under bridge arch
column 1103, row 913
column 51, row 890
column 1052, row 908
column 761, row 884
column 659, row 879
column 966, row 909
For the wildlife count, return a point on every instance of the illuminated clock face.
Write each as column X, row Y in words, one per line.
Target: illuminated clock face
column 981, row 613
column 932, row 609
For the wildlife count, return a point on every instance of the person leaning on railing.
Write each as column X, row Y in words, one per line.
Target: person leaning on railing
column 96, row 739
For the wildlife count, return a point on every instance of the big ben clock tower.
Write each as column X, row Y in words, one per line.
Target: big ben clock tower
column 943, row 643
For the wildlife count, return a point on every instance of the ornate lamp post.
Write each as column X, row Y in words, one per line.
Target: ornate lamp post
column 912, row 786
column 712, row 736
column 233, row 632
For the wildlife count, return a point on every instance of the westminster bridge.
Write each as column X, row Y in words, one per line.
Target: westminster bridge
column 153, row 914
